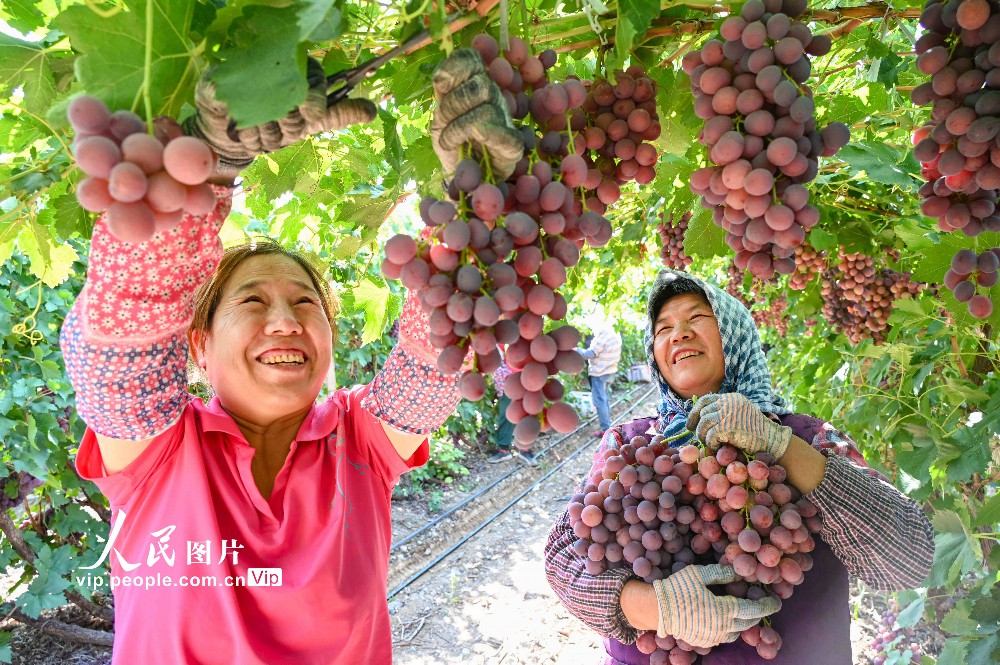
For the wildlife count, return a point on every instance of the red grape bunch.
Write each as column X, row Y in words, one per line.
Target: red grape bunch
column 970, row 273
column 957, row 147
column 672, row 240
column 856, row 273
column 760, row 129
column 145, row 183
column 622, row 121
column 809, row 262
column 490, row 271
column 656, row 509
column 16, row 487
column 766, row 312
column 858, row 298
column 894, row 642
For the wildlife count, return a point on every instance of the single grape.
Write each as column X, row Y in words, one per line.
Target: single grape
column 188, row 160
column 88, row 115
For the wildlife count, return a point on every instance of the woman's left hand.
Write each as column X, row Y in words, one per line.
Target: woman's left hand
column 732, row 418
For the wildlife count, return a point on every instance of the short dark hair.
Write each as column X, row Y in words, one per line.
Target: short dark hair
column 666, row 286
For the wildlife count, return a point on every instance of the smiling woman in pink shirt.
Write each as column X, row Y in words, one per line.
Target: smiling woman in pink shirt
column 254, row 530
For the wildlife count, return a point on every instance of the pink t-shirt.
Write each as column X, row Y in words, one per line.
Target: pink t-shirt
column 193, row 514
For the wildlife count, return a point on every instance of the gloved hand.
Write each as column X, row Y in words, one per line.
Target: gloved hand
column 410, row 393
column 691, row 612
column 471, row 109
column 236, row 148
column 732, row 418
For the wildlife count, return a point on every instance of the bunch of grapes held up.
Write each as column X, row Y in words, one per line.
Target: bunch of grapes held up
column 655, row 509
column 761, row 133
column 491, row 271
column 144, row 183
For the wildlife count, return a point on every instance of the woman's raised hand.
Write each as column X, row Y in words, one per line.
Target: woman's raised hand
column 236, row 148
column 472, row 111
column 732, row 418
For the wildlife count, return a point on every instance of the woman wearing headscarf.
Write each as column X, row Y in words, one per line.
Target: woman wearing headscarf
column 702, row 345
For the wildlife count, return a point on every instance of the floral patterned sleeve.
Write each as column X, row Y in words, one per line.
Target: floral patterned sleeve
column 124, row 341
column 880, row 535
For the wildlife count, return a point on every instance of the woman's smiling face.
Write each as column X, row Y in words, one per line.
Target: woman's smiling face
column 269, row 347
column 687, row 346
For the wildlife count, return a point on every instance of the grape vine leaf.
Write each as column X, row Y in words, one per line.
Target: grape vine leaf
column 957, row 621
column 634, row 17
column 913, row 613
column 984, row 649
column 953, row 653
column 989, row 513
column 955, row 551
column 51, row 262
column 26, row 65
column 22, row 15
column 703, row 237
column 880, row 162
column 45, row 590
column 113, row 50
column 376, row 301
column 270, row 34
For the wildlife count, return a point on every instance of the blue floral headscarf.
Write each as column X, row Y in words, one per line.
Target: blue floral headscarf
column 746, row 367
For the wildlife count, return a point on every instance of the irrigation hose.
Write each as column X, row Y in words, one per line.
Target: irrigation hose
column 437, row 520
column 487, row 521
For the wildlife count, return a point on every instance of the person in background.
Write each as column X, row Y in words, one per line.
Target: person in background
column 504, row 436
column 602, row 354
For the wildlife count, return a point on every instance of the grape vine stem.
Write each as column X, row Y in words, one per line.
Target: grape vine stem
column 147, row 67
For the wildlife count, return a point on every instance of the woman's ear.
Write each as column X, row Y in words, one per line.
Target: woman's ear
column 196, row 340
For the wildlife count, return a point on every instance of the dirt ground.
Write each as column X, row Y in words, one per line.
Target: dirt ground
column 487, row 603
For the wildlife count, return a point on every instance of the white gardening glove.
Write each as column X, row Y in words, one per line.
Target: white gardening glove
column 236, row 148
column 732, row 418
column 471, row 110
column 691, row 612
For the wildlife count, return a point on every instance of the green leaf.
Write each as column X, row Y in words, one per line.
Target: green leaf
column 989, row 513
column 346, row 247
column 703, row 237
column 985, row 649
column 292, row 169
column 22, row 15
column 955, row 553
column 26, row 65
column 51, row 261
column 986, row 610
column 918, row 462
column 634, row 18
column 953, row 653
column 46, row 589
column 364, row 211
column 911, row 614
column 113, row 52
column 879, row 161
column 393, row 146
column 957, row 621
column 973, row 455
column 374, row 299
column 262, row 34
